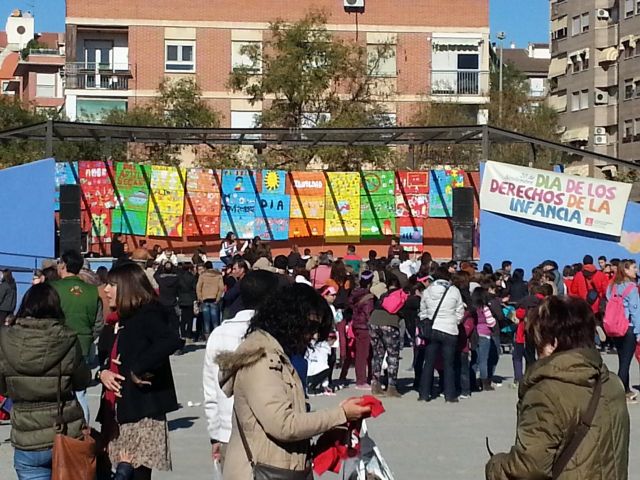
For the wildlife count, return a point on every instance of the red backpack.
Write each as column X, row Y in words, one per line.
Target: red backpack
column 616, row 322
column 394, row 301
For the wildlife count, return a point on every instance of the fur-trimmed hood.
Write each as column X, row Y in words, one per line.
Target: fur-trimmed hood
column 255, row 347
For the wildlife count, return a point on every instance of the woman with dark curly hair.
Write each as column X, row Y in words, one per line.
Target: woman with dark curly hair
column 269, row 402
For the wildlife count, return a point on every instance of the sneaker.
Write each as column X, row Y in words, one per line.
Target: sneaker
column 464, row 397
column 514, row 385
column 364, row 386
column 496, row 384
column 632, row 397
column 328, row 392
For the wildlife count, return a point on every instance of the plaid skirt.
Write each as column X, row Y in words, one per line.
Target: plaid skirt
column 144, row 443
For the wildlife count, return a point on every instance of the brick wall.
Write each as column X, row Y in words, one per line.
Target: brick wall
column 437, row 13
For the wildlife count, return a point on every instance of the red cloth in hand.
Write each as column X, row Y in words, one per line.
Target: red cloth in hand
column 341, row 443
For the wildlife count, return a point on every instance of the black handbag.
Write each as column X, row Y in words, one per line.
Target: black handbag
column 269, row 472
column 425, row 326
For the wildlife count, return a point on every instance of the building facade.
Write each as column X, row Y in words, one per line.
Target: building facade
column 594, row 74
column 31, row 63
column 533, row 63
column 118, row 52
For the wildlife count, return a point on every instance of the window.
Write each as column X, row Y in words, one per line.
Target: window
column 629, row 8
column 180, row 56
column 628, row 131
column 584, row 99
column 46, row 85
column 628, row 89
column 575, row 101
column 95, row 109
column 4, row 86
column 579, row 61
column 382, row 61
column 584, row 22
column 241, row 119
column 637, row 88
column 575, row 26
column 638, row 7
column 386, row 119
column 636, row 137
column 240, row 58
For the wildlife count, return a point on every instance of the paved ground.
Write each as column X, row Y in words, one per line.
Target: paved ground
column 433, row 441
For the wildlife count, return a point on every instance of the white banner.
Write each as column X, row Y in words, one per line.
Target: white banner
column 566, row 200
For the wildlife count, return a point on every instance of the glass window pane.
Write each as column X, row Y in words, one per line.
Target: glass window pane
column 172, row 53
column 187, row 53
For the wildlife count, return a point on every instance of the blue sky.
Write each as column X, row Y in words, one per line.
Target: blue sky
column 523, row 21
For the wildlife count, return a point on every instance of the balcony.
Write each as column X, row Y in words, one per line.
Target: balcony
column 606, row 36
column 605, row 78
column 459, row 82
column 97, row 76
column 605, row 115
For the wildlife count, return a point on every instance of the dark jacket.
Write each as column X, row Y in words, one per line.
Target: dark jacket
column 8, row 297
column 145, row 342
column 33, row 354
column 551, row 396
column 167, row 287
column 361, row 303
column 187, row 282
column 517, row 290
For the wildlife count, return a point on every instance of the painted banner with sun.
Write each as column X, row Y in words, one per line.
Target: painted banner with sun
column 342, row 206
column 441, row 184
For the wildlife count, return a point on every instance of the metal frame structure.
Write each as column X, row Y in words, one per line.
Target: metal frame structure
column 261, row 138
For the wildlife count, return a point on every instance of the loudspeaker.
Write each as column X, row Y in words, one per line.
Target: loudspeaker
column 463, row 205
column 70, row 228
column 462, row 241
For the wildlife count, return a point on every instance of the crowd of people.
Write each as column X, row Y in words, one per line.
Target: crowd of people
column 280, row 329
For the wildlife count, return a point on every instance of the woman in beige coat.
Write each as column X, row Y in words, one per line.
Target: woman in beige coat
column 269, row 400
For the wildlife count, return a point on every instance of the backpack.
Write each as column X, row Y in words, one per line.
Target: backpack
column 394, row 301
column 592, row 293
column 616, row 322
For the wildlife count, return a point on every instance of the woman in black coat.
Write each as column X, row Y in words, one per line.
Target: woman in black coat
column 137, row 376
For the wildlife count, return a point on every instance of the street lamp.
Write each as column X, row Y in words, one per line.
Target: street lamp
column 501, row 36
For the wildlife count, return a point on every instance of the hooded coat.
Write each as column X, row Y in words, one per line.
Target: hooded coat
column 269, row 404
column 33, row 354
column 552, row 396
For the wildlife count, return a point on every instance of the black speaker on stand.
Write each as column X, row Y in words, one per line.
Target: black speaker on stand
column 462, row 224
column 70, row 227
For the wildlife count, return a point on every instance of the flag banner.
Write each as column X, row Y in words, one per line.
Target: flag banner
column 271, row 228
column 377, row 183
column 411, row 235
column 559, row 199
column 273, row 206
column 412, row 183
column 203, row 202
column 129, row 222
column 132, row 186
column 100, row 226
column 307, row 207
column 441, row 185
column 200, row 225
column 306, row 184
column 164, row 224
column 412, row 206
column 238, row 181
column 372, row 228
column 96, row 184
column 300, row 228
column 242, row 226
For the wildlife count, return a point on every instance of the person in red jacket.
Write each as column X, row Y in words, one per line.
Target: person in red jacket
column 590, row 279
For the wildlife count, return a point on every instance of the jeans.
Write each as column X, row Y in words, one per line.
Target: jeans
column 463, row 373
column 487, row 357
column 447, row 345
column 210, row 316
column 626, row 347
column 517, row 355
column 32, row 465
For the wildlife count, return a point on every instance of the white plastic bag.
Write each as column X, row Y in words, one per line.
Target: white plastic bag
column 217, row 470
column 370, row 461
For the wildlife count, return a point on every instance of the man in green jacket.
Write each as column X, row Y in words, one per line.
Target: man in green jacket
column 81, row 306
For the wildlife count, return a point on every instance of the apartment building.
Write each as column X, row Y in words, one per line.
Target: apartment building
column 119, row 51
column 594, row 74
column 533, row 63
column 31, row 63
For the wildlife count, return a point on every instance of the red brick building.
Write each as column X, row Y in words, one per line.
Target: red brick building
column 119, row 51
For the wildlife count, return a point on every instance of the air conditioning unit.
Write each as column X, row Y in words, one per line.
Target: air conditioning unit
column 600, row 131
column 599, row 139
column 601, row 98
column 602, row 14
column 353, row 5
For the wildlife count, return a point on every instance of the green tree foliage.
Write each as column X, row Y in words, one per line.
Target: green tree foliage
column 304, row 72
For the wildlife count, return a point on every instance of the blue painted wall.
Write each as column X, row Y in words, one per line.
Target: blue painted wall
column 528, row 243
column 27, row 217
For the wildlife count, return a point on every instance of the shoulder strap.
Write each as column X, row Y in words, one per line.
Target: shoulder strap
column 59, row 425
column 435, row 314
column 580, row 432
column 628, row 290
column 245, row 443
